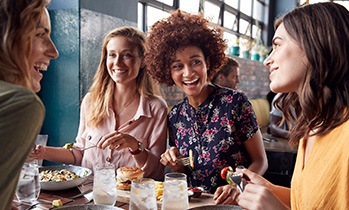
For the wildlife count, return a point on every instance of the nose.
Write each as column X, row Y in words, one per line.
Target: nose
column 52, row 50
column 268, row 60
column 118, row 59
column 187, row 71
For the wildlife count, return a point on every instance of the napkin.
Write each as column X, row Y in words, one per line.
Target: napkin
column 83, row 188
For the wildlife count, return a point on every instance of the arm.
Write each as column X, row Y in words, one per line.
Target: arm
column 59, row 154
column 275, row 129
column 228, row 194
column 157, row 141
column 261, row 194
column 256, row 152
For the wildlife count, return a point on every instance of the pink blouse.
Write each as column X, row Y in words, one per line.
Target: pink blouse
column 148, row 126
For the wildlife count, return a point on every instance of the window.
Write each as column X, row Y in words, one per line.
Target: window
column 345, row 3
column 239, row 18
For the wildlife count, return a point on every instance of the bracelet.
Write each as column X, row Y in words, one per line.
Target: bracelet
column 71, row 150
column 138, row 150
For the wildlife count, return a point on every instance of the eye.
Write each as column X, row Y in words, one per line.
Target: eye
column 127, row 55
column 275, row 45
column 177, row 66
column 195, row 62
column 112, row 55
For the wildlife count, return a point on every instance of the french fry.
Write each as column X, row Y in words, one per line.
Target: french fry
column 191, row 159
column 159, row 189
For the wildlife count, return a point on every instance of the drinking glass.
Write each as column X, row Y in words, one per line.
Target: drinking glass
column 143, row 195
column 28, row 187
column 104, row 185
column 175, row 196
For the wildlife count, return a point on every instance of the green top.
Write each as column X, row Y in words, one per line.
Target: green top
column 21, row 117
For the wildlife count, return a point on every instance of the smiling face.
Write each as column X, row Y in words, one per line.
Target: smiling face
column 123, row 60
column 288, row 63
column 43, row 50
column 189, row 72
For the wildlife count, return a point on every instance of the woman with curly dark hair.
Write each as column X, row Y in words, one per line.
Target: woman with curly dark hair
column 217, row 124
column 309, row 65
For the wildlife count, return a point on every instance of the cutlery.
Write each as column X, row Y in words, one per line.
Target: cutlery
column 185, row 161
column 86, row 148
column 81, row 194
column 237, row 179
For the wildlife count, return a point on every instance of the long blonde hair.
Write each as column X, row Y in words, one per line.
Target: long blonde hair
column 103, row 85
column 18, row 21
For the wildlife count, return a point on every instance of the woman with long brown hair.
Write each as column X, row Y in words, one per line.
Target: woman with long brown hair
column 309, row 64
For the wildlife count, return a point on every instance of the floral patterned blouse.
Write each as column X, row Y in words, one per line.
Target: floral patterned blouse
column 215, row 133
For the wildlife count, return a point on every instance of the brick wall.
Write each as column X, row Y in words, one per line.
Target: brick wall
column 254, row 82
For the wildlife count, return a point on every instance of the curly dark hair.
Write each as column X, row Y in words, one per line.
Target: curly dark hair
column 182, row 29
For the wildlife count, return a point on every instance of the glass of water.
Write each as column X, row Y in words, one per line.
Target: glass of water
column 143, row 195
column 104, row 185
column 175, row 196
column 28, row 187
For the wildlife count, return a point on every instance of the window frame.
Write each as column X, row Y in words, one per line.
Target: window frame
column 224, row 7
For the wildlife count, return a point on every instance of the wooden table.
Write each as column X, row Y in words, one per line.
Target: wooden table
column 122, row 201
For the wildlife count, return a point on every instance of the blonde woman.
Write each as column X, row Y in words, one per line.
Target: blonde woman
column 122, row 114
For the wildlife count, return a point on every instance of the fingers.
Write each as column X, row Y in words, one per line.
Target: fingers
column 113, row 140
column 170, row 157
column 227, row 194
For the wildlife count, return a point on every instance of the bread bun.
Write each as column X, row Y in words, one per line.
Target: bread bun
column 125, row 175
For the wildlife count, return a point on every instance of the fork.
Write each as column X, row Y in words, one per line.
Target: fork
column 185, row 161
column 86, row 148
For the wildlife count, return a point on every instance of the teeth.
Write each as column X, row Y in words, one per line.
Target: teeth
column 190, row 82
column 40, row 67
column 119, row 71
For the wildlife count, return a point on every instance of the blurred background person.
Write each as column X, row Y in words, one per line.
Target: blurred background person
column 228, row 75
column 26, row 49
column 277, row 126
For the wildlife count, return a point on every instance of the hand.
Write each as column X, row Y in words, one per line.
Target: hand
column 116, row 140
column 37, row 153
column 170, row 158
column 227, row 194
column 258, row 194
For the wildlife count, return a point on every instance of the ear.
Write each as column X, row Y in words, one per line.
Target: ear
column 207, row 64
column 220, row 77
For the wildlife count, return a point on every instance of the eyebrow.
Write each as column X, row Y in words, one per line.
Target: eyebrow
column 191, row 57
column 275, row 38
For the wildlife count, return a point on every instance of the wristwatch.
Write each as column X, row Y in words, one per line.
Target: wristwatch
column 138, row 150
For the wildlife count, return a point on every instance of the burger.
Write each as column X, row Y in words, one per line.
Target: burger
column 125, row 175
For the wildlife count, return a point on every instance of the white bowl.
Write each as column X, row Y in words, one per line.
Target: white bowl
column 82, row 172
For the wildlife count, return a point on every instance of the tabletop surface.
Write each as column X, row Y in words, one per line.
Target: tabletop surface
column 46, row 198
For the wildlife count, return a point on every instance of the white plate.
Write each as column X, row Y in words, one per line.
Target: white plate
column 82, row 172
column 89, row 207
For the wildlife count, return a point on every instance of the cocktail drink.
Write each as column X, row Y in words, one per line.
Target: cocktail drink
column 143, row 195
column 175, row 196
column 104, row 185
column 28, row 187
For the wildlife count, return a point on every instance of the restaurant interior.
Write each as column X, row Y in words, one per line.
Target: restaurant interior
column 80, row 25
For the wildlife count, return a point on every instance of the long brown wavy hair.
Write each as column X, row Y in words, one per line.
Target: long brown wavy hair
column 182, row 29
column 18, row 21
column 103, row 86
column 322, row 30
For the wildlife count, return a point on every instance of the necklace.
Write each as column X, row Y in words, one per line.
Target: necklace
column 128, row 103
